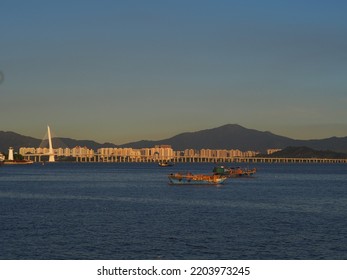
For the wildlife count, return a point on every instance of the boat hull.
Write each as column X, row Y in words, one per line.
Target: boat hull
column 17, row 162
column 166, row 164
column 178, row 179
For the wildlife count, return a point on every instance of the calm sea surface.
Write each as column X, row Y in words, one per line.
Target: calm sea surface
column 128, row 211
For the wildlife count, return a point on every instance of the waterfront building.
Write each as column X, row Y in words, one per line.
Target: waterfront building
column 235, row 153
column 222, row 154
column 82, row 152
column 59, row 152
column 156, row 153
column 190, row 153
column 250, row 154
column 75, row 152
column 271, row 151
column 24, row 151
column 67, row 152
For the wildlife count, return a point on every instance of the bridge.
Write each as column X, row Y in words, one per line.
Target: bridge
column 102, row 158
column 50, row 154
column 187, row 159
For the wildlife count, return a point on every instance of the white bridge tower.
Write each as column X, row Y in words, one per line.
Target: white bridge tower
column 51, row 152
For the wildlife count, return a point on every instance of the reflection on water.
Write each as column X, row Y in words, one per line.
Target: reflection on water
column 128, row 211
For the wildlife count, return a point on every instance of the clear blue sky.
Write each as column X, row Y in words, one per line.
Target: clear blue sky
column 128, row 70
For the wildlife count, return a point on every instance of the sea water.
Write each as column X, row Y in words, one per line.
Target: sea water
column 129, row 211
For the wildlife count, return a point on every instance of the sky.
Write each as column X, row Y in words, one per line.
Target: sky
column 127, row 70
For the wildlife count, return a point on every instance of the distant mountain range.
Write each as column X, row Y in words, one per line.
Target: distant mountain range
column 230, row 136
column 305, row 152
column 233, row 136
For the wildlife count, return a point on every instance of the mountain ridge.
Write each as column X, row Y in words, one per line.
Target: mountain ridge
column 228, row 136
column 305, row 152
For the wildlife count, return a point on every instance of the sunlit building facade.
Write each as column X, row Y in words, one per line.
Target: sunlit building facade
column 154, row 154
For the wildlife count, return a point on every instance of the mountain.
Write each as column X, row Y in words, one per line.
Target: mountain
column 233, row 136
column 230, row 136
column 338, row 144
column 305, row 152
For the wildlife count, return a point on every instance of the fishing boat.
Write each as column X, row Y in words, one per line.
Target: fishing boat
column 234, row 171
column 166, row 163
column 17, row 162
column 196, row 179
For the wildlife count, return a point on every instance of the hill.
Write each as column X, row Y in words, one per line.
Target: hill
column 305, row 152
column 15, row 140
column 233, row 136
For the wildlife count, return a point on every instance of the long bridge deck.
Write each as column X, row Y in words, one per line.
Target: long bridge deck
column 185, row 159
